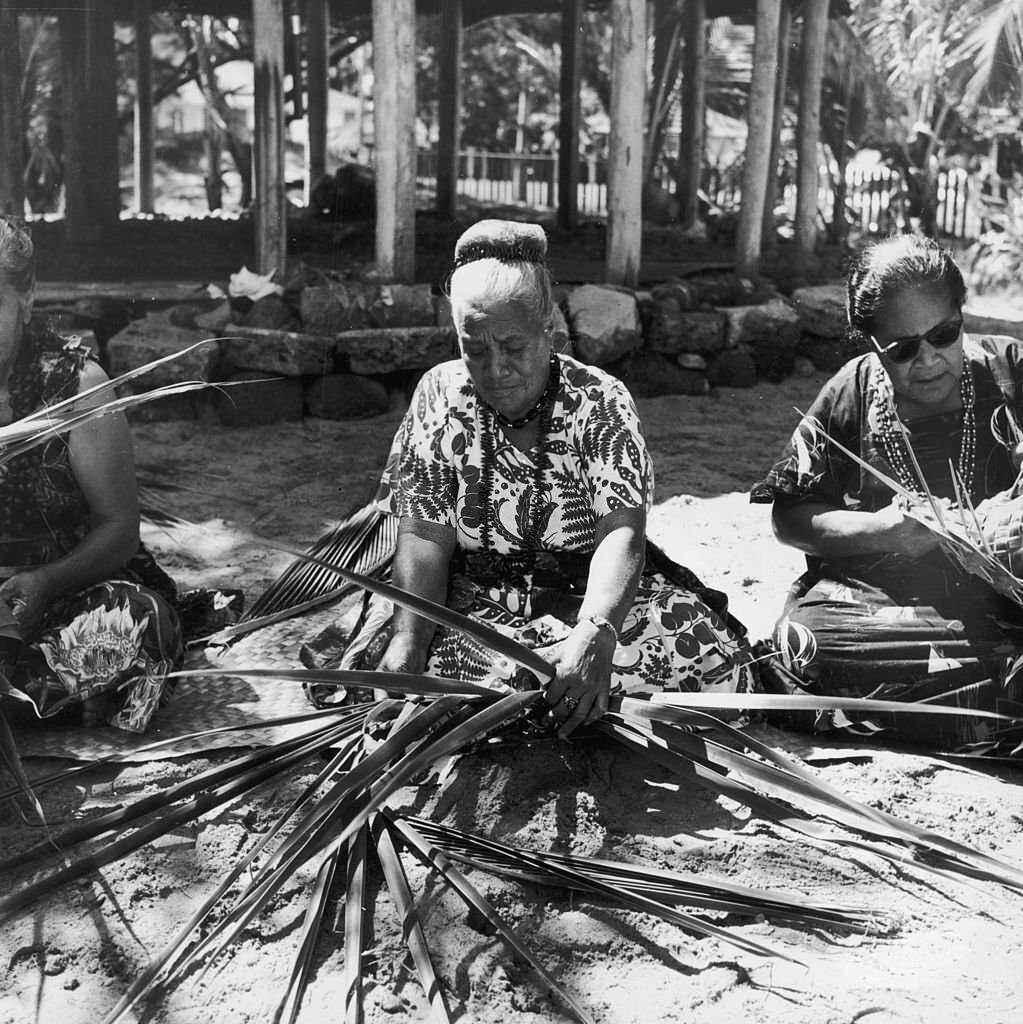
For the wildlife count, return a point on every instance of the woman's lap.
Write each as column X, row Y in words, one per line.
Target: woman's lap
column 849, row 638
column 93, row 641
column 670, row 640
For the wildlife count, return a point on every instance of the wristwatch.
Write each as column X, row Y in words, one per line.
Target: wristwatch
column 601, row 623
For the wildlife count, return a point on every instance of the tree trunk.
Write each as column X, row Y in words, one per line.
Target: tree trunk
column 449, row 107
column 572, row 41
column 12, row 134
column 625, row 157
column 691, row 137
column 394, row 113
column 92, row 187
column 213, row 148
column 271, row 227
column 775, row 179
column 317, row 39
column 143, row 108
column 815, row 30
column 667, row 30
column 759, row 120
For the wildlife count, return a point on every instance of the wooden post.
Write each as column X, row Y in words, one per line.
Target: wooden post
column 12, row 135
column 759, row 120
column 143, row 109
column 771, row 197
column 317, row 41
column 91, row 165
column 625, row 157
column 568, row 106
column 269, row 201
column 449, row 107
column 815, row 31
column 693, row 132
column 394, row 113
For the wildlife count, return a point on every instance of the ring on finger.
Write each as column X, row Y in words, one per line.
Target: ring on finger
column 570, row 702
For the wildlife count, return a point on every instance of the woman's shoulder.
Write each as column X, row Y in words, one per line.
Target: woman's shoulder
column 846, row 386
column 591, row 382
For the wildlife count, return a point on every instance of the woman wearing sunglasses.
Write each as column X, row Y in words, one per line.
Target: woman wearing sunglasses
column 880, row 611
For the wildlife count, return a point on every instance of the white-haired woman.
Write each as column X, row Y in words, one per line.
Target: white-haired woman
column 523, row 482
column 85, row 614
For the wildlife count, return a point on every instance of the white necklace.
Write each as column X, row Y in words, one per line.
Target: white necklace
column 894, row 443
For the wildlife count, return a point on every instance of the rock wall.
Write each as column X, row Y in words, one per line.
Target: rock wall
column 349, row 349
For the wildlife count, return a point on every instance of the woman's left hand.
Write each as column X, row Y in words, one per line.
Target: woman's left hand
column 27, row 594
column 578, row 695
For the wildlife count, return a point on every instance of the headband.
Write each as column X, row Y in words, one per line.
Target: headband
column 507, row 252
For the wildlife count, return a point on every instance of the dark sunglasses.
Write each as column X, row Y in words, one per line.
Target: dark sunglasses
column 904, row 349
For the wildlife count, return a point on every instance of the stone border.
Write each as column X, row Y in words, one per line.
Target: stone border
column 349, row 349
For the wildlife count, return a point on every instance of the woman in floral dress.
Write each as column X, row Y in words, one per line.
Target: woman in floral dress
column 522, row 483
column 86, row 615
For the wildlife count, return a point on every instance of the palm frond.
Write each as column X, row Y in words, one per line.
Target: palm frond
column 670, row 887
column 355, row 915
column 413, row 835
column 10, row 760
column 411, row 928
column 364, row 543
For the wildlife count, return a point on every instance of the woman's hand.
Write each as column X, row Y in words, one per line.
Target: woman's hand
column 27, row 594
column 404, row 653
column 579, row 693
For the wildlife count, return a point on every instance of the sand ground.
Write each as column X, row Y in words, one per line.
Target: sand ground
column 954, row 955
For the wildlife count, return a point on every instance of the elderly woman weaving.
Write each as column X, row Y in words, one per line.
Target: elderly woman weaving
column 881, row 612
column 85, row 614
column 523, row 482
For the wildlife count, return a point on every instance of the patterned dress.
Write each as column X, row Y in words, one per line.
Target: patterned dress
column 677, row 634
column 121, row 635
column 888, row 625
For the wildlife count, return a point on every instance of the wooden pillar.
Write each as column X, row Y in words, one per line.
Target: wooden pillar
column 691, row 137
column 394, row 113
column 143, row 109
column 815, row 31
column 12, row 135
column 759, row 121
column 773, row 177
column 91, row 165
column 317, row 44
column 269, row 200
column 572, row 40
column 449, row 107
column 625, row 162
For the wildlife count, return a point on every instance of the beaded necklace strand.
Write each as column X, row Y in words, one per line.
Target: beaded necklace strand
column 523, row 560
column 894, row 444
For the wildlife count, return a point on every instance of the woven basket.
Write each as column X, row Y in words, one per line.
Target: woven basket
column 1001, row 522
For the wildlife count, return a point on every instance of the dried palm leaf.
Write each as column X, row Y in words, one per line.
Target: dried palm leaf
column 669, row 887
column 411, row 832
column 355, row 917
column 411, row 928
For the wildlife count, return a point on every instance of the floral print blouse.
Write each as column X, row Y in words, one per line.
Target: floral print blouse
column 597, row 462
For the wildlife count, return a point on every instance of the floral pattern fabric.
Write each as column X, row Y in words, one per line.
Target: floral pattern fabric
column 597, row 462
column 121, row 636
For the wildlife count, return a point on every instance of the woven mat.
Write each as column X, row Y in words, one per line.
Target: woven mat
column 200, row 703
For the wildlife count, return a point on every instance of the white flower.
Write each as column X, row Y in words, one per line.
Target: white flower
column 95, row 648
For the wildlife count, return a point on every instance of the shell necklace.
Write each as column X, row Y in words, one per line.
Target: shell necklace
column 894, row 444
column 521, row 561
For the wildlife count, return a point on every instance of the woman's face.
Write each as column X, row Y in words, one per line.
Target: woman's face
column 506, row 350
column 930, row 379
column 14, row 314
